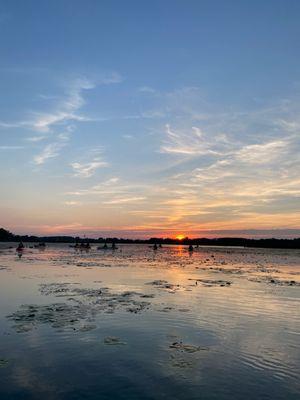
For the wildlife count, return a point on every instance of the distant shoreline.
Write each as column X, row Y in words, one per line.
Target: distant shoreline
column 6, row 236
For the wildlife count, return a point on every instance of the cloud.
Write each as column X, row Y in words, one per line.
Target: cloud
column 108, row 79
column 128, row 137
column 192, row 143
column 60, row 228
column 11, row 147
column 35, row 139
column 123, row 200
column 67, row 106
column 236, row 189
column 146, row 89
column 236, row 168
column 52, row 150
column 112, row 192
column 65, row 112
column 11, row 124
column 111, row 187
column 262, row 153
column 72, row 203
column 88, row 169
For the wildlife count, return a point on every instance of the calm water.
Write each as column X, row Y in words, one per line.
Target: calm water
column 137, row 324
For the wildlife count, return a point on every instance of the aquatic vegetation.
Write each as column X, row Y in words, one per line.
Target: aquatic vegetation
column 3, row 362
column 188, row 348
column 113, row 341
column 274, row 281
column 162, row 284
column 181, row 362
column 88, row 303
column 212, row 282
column 58, row 315
column 87, row 328
column 165, row 309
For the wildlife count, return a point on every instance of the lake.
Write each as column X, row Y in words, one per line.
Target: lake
column 134, row 323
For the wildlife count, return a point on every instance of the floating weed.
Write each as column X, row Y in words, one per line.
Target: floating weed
column 113, row 341
column 81, row 306
column 187, row 348
column 3, row 362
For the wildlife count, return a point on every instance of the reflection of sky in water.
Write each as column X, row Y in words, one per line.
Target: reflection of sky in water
column 248, row 332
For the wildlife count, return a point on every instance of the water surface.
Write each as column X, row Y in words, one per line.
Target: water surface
column 220, row 323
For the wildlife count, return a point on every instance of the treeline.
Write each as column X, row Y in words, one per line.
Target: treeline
column 6, row 236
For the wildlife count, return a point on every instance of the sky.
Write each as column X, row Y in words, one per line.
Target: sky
column 150, row 118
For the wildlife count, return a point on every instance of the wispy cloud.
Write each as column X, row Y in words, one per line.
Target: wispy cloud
column 123, row 200
column 52, row 150
column 72, row 203
column 87, row 169
column 113, row 192
column 128, row 137
column 11, row 147
column 147, row 89
column 67, row 106
column 12, row 124
column 65, row 112
column 67, row 109
column 195, row 142
column 36, row 139
column 262, row 153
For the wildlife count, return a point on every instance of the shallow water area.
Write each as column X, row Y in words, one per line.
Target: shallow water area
column 134, row 323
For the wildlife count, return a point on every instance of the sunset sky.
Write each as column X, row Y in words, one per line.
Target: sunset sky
column 150, row 118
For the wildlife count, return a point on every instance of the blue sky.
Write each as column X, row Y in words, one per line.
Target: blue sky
column 139, row 118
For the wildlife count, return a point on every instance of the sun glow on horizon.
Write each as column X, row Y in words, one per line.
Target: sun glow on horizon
column 180, row 237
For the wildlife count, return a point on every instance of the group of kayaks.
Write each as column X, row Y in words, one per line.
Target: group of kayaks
column 87, row 246
column 105, row 247
column 81, row 246
column 155, row 246
column 20, row 249
column 40, row 246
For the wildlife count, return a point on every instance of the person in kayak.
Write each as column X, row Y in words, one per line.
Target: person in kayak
column 20, row 249
column 20, row 246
